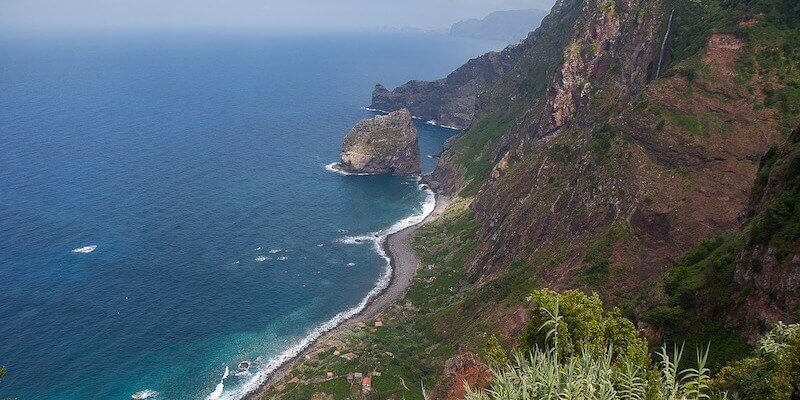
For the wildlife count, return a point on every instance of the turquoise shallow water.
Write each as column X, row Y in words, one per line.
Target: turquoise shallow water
column 196, row 166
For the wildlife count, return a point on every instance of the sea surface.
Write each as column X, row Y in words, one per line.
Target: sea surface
column 165, row 208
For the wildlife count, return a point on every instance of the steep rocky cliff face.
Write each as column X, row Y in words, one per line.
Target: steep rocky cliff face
column 768, row 265
column 381, row 145
column 454, row 99
column 449, row 101
column 607, row 177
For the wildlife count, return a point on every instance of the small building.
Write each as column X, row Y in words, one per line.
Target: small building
column 378, row 324
column 366, row 384
column 329, row 375
column 358, row 375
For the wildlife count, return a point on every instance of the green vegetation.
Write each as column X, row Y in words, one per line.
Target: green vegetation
column 600, row 142
column 579, row 352
column 583, row 328
column 474, row 151
column 698, row 125
column 698, row 291
column 770, row 28
column 772, row 373
column 778, row 223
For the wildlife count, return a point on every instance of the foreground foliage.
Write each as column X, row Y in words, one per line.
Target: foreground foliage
column 773, row 372
column 578, row 352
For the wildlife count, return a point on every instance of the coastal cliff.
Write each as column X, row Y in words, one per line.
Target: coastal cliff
column 622, row 149
column 385, row 144
column 454, row 100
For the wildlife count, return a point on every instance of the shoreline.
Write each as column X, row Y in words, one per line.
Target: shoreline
column 403, row 262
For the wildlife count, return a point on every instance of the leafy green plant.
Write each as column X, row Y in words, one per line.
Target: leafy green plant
column 772, row 373
column 581, row 325
column 545, row 372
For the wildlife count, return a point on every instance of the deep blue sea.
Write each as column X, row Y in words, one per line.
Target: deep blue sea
column 195, row 163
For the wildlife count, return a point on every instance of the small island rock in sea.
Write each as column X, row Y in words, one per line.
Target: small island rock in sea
column 386, row 144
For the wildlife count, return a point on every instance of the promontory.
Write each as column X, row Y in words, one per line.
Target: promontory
column 385, row 144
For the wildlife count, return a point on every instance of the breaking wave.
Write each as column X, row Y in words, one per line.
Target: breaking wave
column 145, row 394
column 334, row 167
column 377, row 239
column 85, row 249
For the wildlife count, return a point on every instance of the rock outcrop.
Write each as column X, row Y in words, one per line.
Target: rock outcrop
column 463, row 369
column 386, row 144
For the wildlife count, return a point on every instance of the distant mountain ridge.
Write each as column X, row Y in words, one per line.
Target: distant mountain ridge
column 508, row 26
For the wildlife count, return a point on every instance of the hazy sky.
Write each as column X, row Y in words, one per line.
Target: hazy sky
column 274, row 14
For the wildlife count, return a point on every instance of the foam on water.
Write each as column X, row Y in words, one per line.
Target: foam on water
column 334, row 167
column 220, row 386
column 435, row 123
column 377, row 239
column 374, row 110
column 429, row 122
column 145, row 394
column 85, row 249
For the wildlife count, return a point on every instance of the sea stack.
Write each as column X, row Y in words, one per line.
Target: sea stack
column 386, row 144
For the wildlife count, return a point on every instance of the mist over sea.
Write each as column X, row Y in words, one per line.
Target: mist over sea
column 165, row 211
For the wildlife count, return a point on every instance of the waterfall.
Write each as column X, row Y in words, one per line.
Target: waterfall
column 664, row 44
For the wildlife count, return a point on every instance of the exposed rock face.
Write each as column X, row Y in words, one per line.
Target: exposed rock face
column 602, row 167
column 465, row 368
column 454, row 100
column 386, row 144
column 768, row 266
column 644, row 200
column 450, row 101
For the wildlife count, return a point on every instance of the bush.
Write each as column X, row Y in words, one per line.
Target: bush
column 565, row 361
column 772, row 373
column 575, row 351
column 583, row 328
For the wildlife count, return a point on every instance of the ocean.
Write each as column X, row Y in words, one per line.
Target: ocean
column 165, row 208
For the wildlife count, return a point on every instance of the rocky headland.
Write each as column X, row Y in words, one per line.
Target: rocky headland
column 386, row 144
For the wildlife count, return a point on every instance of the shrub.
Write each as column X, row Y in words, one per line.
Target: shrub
column 772, row 373
column 548, row 372
column 583, row 327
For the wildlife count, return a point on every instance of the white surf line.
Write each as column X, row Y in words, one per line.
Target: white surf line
column 334, row 167
column 220, row 386
column 378, row 239
column 429, row 122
